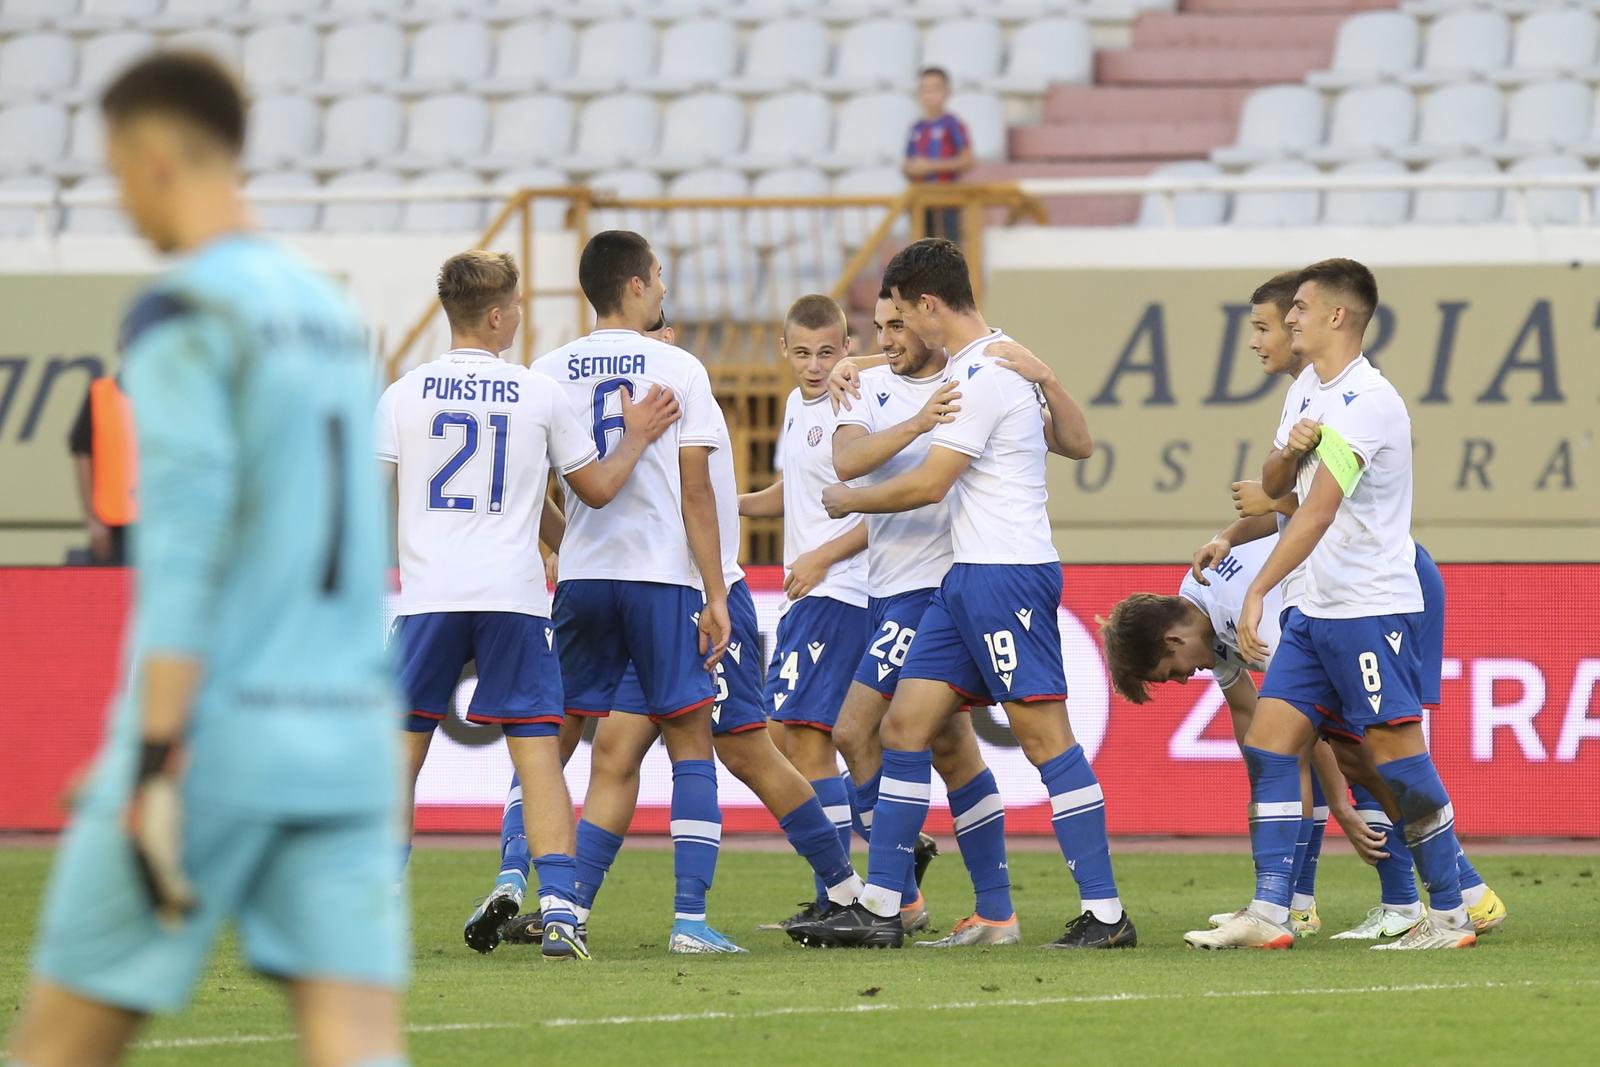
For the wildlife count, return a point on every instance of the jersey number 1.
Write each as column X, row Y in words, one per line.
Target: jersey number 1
column 499, row 425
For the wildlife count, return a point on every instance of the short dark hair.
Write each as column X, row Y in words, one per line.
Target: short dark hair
column 1135, row 640
column 885, row 293
column 1348, row 278
column 189, row 86
column 931, row 266
column 1278, row 291
column 935, row 72
column 470, row 283
column 610, row 260
column 816, row 312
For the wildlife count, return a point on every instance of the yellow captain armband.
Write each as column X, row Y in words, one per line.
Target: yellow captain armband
column 1340, row 459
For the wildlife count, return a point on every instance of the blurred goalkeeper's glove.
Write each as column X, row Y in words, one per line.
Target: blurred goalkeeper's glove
column 155, row 831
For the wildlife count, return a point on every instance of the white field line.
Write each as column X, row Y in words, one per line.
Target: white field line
column 860, row 1009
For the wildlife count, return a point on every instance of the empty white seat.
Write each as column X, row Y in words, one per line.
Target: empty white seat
column 283, row 218
column 1185, row 209
column 103, row 57
column 870, row 130
column 968, row 49
column 853, row 225
column 444, row 216
column 110, row 14
column 1461, row 44
column 36, row 66
column 984, row 115
column 447, row 55
column 687, row 227
column 700, row 130
column 1371, row 46
column 261, row 11
column 530, row 55
column 853, row 10
column 674, row 10
column 1456, row 120
column 613, row 54
column 710, row 283
column 27, row 221
column 876, row 54
column 1367, row 207
column 770, row 227
column 783, row 54
column 86, row 148
column 343, row 12
column 218, row 44
column 1544, row 118
column 282, row 56
column 35, row 136
column 1550, row 43
column 282, row 132
column 360, row 131
column 1367, row 122
column 616, row 131
column 98, row 220
column 697, row 54
column 627, row 184
column 786, row 129
column 529, row 129
column 362, row 56
column 1452, row 207
column 355, row 216
column 1547, row 207
column 764, row 11
column 549, row 213
column 1281, row 120
column 181, row 14
column 1277, row 207
column 448, row 130
column 24, row 16
column 789, row 272
column 1046, row 52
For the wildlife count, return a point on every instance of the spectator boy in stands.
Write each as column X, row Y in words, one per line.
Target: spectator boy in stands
column 938, row 149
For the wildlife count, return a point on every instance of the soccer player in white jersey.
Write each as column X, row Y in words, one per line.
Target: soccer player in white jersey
column 824, row 625
column 470, row 440
column 991, row 633
column 1351, row 649
column 641, row 582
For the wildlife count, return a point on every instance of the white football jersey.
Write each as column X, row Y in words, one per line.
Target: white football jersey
column 805, row 456
column 725, row 485
column 473, row 439
column 1365, row 563
column 1223, row 600
column 906, row 550
column 998, row 507
column 639, row 536
column 1295, row 401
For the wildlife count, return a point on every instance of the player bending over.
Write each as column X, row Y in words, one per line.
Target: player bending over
column 248, row 771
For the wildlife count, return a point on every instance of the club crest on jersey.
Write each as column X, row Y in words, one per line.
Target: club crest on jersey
column 1393, row 637
column 1025, row 617
column 814, row 436
column 815, row 648
column 1348, row 397
column 883, row 398
column 734, row 650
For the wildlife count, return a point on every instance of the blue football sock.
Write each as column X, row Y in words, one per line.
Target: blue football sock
column 1305, row 883
column 1275, row 807
column 902, row 809
column 980, row 820
column 1466, row 872
column 1396, row 876
column 513, row 841
column 863, row 802
column 815, row 838
column 1430, row 826
column 696, row 835
column 1302, row 842
column 1078, row 817
column 557, row 873
column 834, row 796
column 597, row 850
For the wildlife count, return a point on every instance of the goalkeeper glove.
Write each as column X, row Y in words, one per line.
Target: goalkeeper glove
column 155, row 830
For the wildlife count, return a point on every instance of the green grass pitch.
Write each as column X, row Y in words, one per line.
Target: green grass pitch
column 1528, row 994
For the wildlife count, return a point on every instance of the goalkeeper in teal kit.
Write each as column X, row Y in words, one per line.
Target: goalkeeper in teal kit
column 249, row 772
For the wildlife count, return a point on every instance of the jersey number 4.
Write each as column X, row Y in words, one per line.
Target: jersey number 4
column 439, row 498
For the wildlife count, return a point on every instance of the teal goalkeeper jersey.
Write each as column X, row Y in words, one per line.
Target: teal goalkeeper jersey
column 260, row 543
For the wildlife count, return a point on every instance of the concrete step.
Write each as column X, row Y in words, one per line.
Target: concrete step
column 1099, row 103
column 1216, row 66
column 1234, row 31
column 1151, row 140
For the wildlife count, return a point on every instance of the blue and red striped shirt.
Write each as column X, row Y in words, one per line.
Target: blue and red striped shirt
column 942, row 138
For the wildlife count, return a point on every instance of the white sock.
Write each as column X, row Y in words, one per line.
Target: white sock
column 1303, row 902
column 1471, row 897
column 582, row 913
column 1108, row 910
column 884, row 903
column 1455, row 918
column 847, row 891
column 1271, row 912
column 1410, row 911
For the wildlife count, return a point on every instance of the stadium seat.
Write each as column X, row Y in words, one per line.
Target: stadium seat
column 984, row 115
column 612, row 55
column 548, row 213
column 1372, row 46
column 786, row 54
column 36, row 66
column 786, row 129
column 968, row 49
column 1551, row 43
column 1589, row 147
column 689, row 227
column 1046, row 52
column 1367, row 122
column 1278, row 121
column 853, row 225
column 363, row 56
column 282, row 132
column 449, row 130
column 218, row 44
column 444, row 216
column 86, row 149
column 1277, row 207
column 359, row 131
column 1547, row 207
column 351, row 216
column 875, row 54
column 771, row 227
column 1454, row 207
column 1187, row 209
column 696, row 54
column 18, row 222
column 102, row 57
column 35, row 136
column 1367, row 207
column 802, row 266
column 529, row 129
column 711, row 282
column 870, row 129
column 1456, row 120
column 113, row 14
column 1544, row 118
column 531, row 55
column 283, row 218
column 283, row 56
column 97, row 220
column 700, row 130
column 626, row 184
column 1460, row 45
column 446, row 56
column 615, row 131
column 764, row 11
column 183, row 14
column 849, row 11
column 30, row 16
column 261, row 12
column 346, row 12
